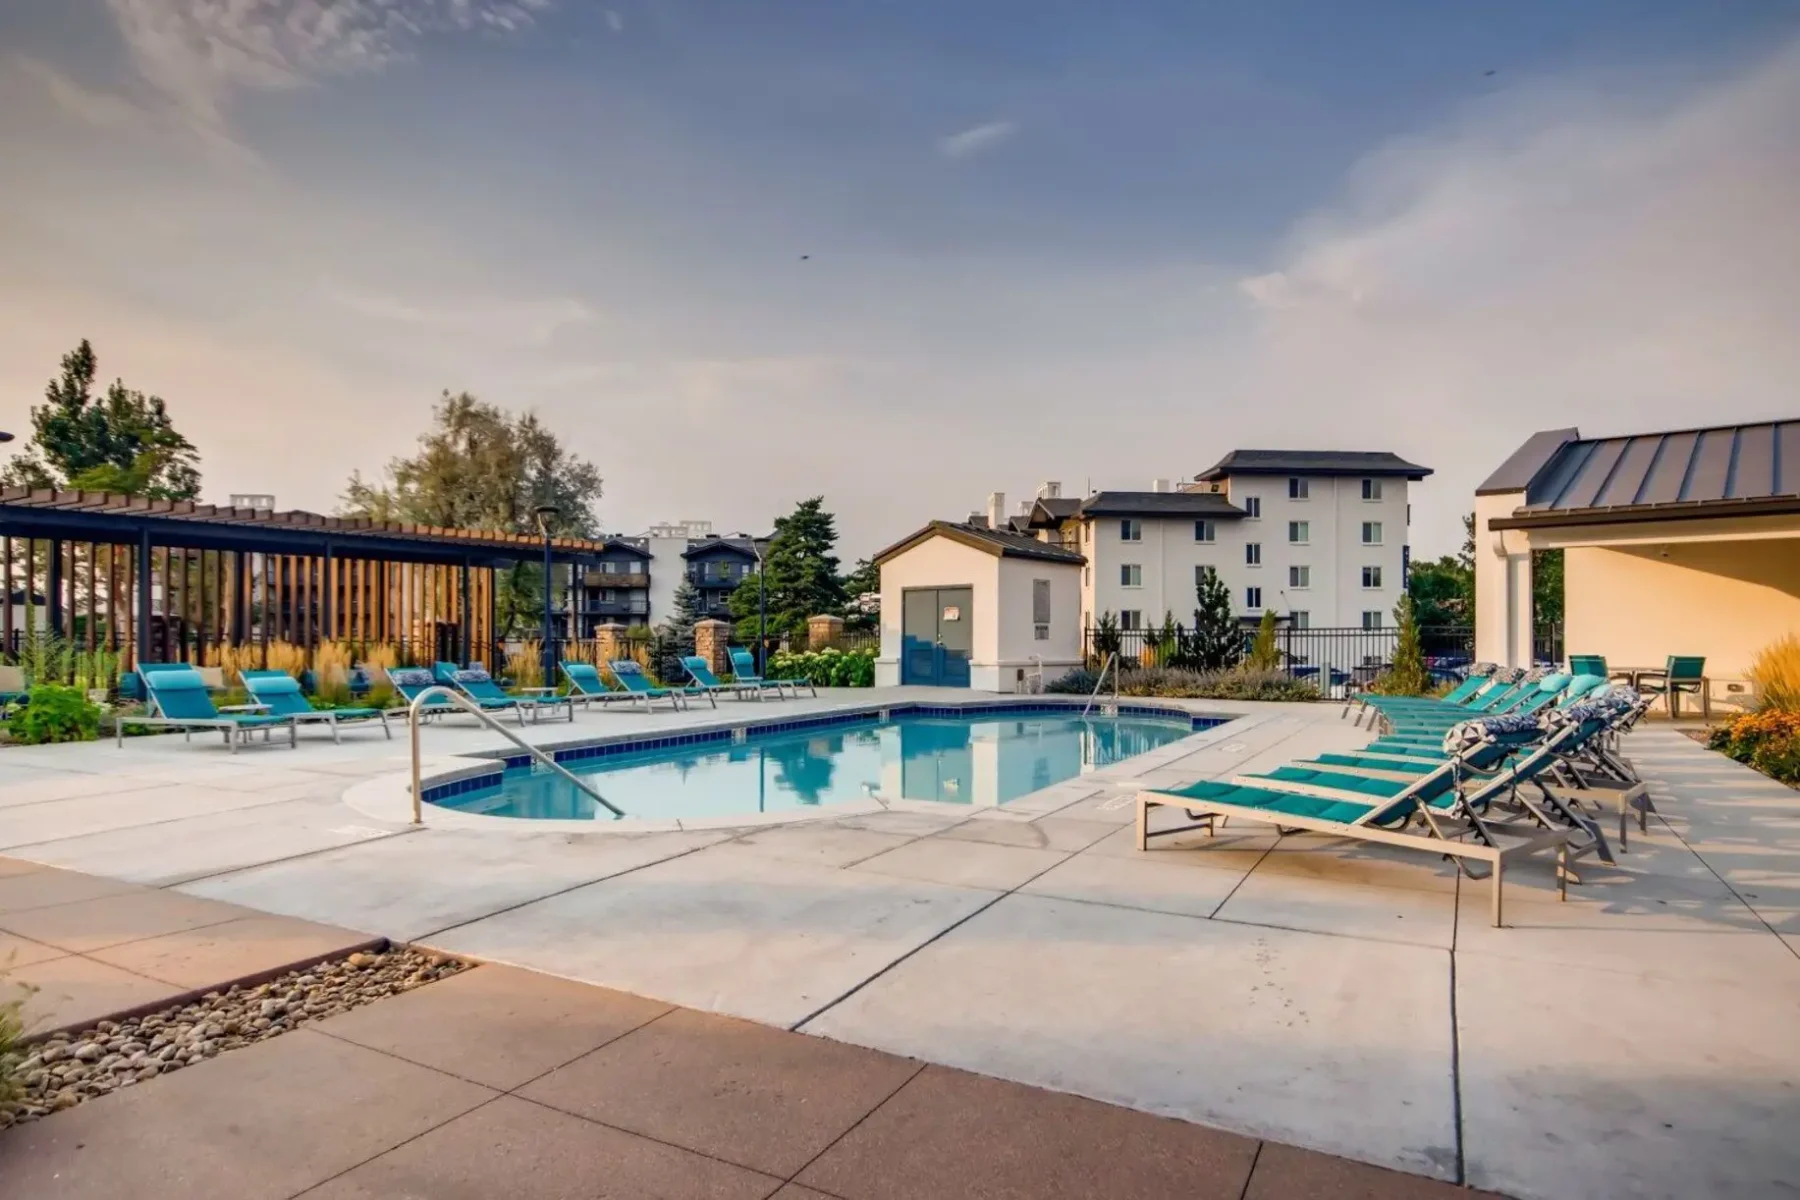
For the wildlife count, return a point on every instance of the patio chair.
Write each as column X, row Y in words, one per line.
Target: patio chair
column 281, row 696
column 1448, row 821
column 634, row 680
column 743, row 669
column 588, row 687
column 701, row 672
column 1682, row 674
column 411, row 682
column 479, row 686
column 1588, row 664
column 181, row 702
column 1492, row 686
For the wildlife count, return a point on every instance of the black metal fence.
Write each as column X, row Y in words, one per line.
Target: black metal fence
column 1330, row 656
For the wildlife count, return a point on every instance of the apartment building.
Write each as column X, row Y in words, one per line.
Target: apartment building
column 1319, row 537
column 635, row 579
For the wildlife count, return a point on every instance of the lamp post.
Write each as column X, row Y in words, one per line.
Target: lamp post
column 762, row 610
column 545, row 514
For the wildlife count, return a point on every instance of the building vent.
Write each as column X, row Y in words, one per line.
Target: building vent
column 1050, row 490
column 258, row 501
column 1160, row 485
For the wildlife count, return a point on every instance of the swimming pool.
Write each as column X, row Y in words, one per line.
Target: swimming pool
column 974, row 759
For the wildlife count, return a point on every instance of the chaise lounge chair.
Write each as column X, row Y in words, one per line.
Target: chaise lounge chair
column 412, row 682
column 280, row 695
column 479, row 686
column 631, row 677
column 180, row 700
column 743, row 669
column 701, row 672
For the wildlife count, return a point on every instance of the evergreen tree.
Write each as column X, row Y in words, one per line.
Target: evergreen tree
column 862, row 595
column 1406, row 675
column 1265, row 655
column 122, row 442
column 1219, row 643
column 677, row 634
column 802, row 573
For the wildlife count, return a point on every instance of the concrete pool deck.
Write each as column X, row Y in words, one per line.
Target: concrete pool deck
column 1639, row 1040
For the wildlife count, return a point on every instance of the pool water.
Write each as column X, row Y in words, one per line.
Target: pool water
column 980, row 760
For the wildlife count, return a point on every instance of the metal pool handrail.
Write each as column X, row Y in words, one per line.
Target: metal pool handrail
column 416, row 708
column 1111, row 664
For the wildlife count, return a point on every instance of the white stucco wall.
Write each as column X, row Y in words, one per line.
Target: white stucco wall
column 1016, row 646
column 939, row 562
column 1502, row 585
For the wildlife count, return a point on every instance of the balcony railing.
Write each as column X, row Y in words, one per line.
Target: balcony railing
column 635, row 579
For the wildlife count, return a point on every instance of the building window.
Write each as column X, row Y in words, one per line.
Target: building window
column 1087, row 577
column 1299, row 577
column 1371, row 489
column 1253, row 507
column 1131, row 530
column 1300, row 619
column 1299, row 532
column 1299, row 489
column 1204, row 531
column 1372, row 619
column 1131, row 575
column 1252, row 597
column 1371, row 533
column 1201, row 570
column 1371, row 577
column 1040, row 602
column 1130, row 619
column 1253, row 554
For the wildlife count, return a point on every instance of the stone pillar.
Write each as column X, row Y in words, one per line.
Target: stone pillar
column 822, row 631
column 712, row 641
column 609, row 641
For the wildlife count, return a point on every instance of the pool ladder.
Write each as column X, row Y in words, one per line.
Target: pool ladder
column 415, row 714
column 1111, row 664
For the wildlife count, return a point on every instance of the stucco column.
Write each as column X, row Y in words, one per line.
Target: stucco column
column 823, row 630
column 1502, row 585
column 609, row 641
column 712, row 641
column 1518, row 609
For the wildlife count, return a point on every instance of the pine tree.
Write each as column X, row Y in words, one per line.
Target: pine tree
column 676, row 640
column 1265, row 655
column 802, row 573
column 1219, row 643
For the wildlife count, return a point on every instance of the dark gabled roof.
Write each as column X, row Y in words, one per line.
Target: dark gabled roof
column 1517, row 472
column 628, row 546
column 1158, row 504
column 1312, row 462
column 1004, row 545
column 740, row 546
column 1724, row 470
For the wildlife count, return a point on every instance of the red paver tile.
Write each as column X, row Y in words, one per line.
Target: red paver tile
column 522, row 1151
column 761, row 1097
column 72, row 991
column 204, row 958
column 45, row 886
column 1290, row 1173
column 266, row 1121
column 529, row 1023
column 86, row 925
column 17, row 866
column 949, row 1133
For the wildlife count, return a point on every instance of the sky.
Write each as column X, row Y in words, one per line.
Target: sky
column 903, row 254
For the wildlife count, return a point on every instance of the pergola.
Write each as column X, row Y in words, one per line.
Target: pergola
column 162, row 580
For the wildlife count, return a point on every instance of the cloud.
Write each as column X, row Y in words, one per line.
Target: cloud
column 496, row 323
column 1613, row 253
column 198, row 52
column 91, row 106
column 976, row 140
column 615, row 20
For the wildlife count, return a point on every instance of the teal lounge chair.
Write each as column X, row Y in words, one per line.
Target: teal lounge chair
column 587, row 686
column 1588, row 664
column 631, row 677
column 281, row 696
column 479, row 686
column 701, row 672
column 411, row 682
column 181, row 702
column 743, row 669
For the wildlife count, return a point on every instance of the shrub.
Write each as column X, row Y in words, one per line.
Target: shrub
column 1265, row 655
column 525, row 665
column 829, row 667
column 55, row 714
column 1406, row 675
column 1768, row 740
column 12, row 1043
column 1180, row 683
column 331, row 674
column 1776, row 673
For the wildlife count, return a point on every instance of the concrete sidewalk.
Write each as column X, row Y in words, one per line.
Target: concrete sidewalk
column 501, row 1082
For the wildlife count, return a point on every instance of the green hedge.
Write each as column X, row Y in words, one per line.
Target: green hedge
column 829, row 667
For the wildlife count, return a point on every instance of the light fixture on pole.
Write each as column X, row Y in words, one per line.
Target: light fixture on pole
column 546, row 515
column 762, row 609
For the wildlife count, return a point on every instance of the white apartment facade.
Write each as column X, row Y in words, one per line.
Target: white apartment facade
column 1319, row 537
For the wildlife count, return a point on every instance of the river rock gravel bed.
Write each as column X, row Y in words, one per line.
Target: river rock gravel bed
column 68, row 1068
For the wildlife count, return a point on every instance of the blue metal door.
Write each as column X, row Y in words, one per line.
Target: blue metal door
column 937, row 636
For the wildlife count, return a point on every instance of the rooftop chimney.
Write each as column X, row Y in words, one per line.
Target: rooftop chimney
column 996, row 511
column 1049, row 490
column 1160, row 485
